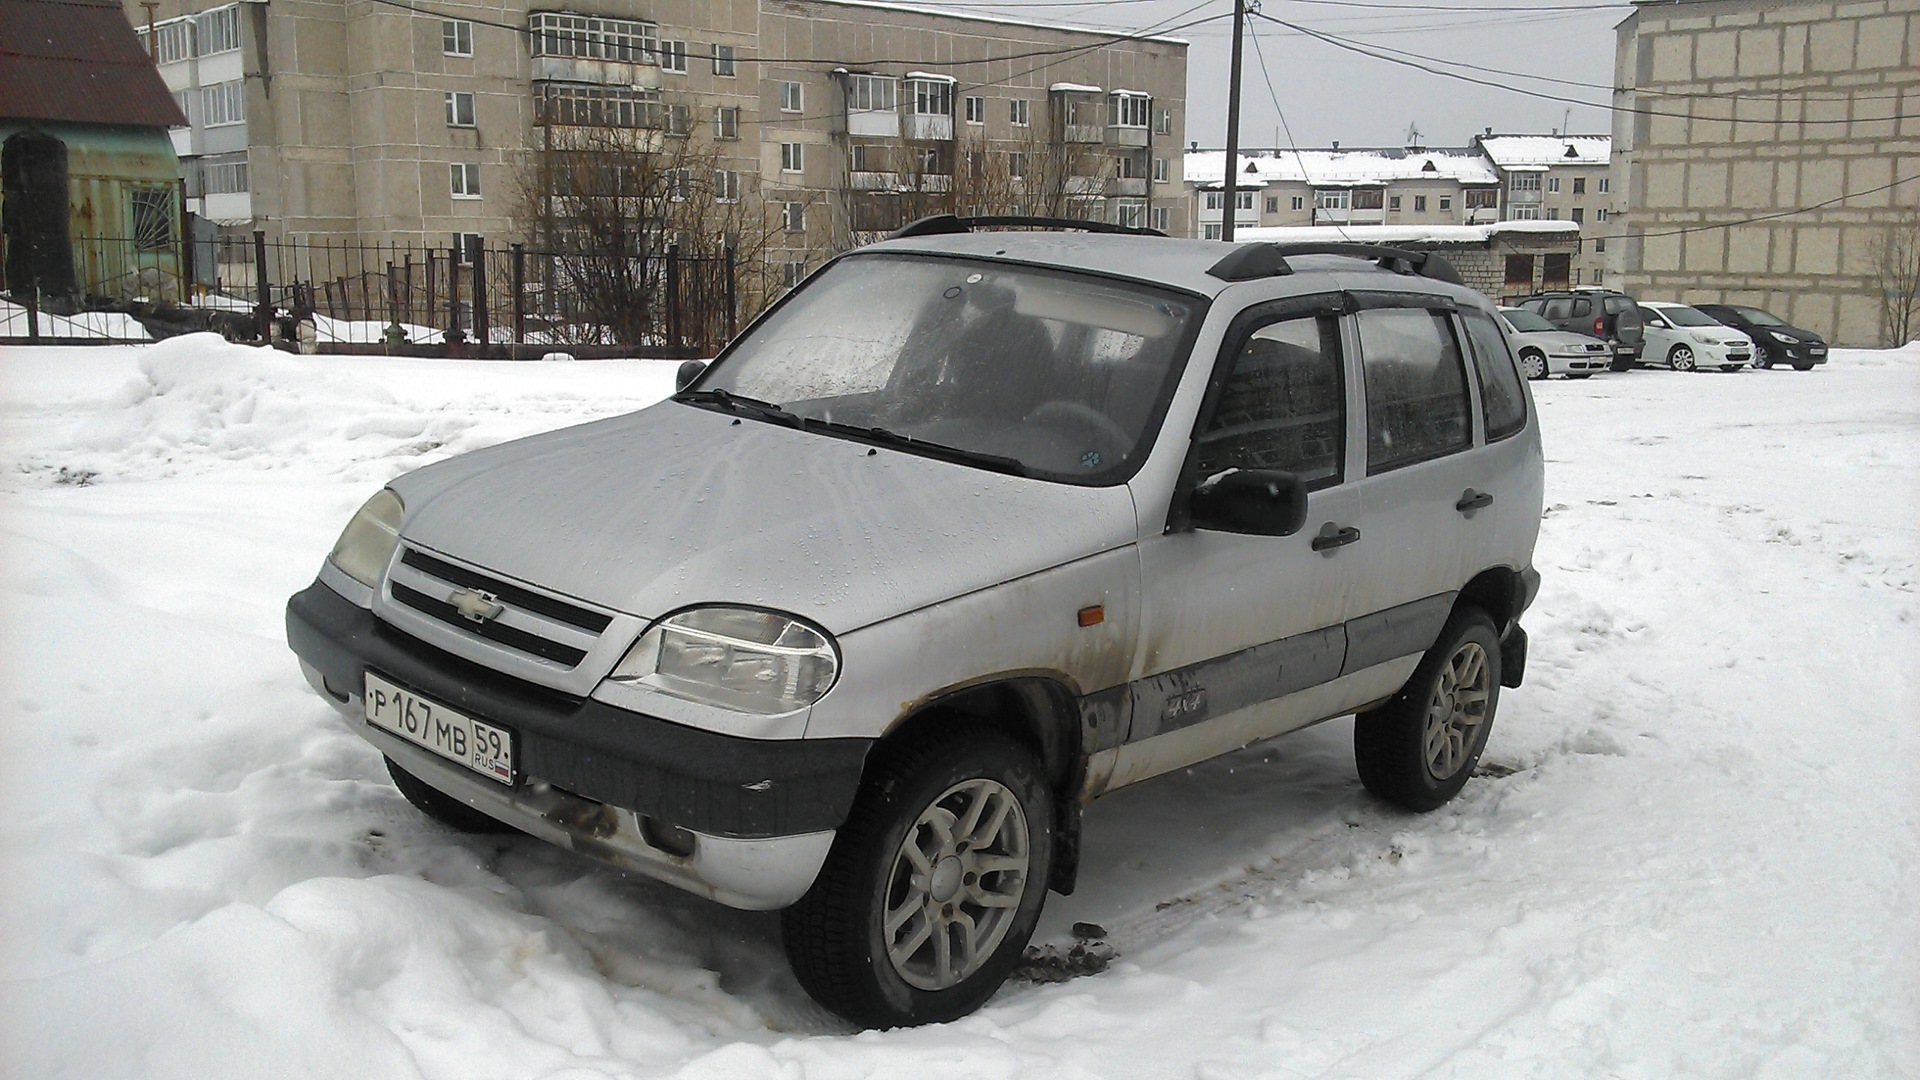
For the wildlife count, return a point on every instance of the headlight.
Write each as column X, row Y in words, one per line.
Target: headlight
column 736, row 658
column 1786, row 338
column 369, row 539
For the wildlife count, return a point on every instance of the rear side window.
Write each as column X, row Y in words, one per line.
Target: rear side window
column 1281, row 406
column 1559, row 309
column 1416, row 387
column 1582, row 308
column 1502, row 403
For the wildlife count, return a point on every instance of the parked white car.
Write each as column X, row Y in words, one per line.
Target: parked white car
column 1544, row 349
column 1687, row 340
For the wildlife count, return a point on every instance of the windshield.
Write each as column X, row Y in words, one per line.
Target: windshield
column 1026, row 370
column 1755, row 316
column 1685, row 316
column 1526, row 321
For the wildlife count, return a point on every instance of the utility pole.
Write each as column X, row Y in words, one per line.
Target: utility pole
column 1232, row 170
column 153, row 45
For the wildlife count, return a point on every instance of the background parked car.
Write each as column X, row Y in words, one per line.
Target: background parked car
column 1602, row 313
column 1774, row 340
column 1685, row 339
column 1544, row 349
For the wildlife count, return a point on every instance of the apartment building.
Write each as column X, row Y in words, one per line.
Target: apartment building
column 1771, row 151
column 1400, row 186
column 822, row 122
column 1560, row 178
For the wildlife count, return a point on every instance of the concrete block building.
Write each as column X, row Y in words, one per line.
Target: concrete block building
column 1768, row 146
column 826, row 121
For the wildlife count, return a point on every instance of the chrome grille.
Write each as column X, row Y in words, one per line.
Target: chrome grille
column 490, row 608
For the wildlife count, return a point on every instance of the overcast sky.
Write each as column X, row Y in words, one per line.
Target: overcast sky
column 1330, row 94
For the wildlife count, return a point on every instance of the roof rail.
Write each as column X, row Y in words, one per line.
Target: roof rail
column 1252, row 261
column 948, row 224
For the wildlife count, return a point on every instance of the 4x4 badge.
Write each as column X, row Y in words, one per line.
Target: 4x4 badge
column 475, row 606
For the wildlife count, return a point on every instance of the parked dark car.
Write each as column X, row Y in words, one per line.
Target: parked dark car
column 1775, row 341
column 1607, row 314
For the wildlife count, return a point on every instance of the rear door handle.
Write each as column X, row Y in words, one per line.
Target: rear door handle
column 1328, row 540
column 1473, row 500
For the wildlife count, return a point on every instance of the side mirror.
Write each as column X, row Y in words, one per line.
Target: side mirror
column 689, row 371
column 1260, row 502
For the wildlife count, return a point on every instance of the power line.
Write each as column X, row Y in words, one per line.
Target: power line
column 1775, row 216
column 1293, row 145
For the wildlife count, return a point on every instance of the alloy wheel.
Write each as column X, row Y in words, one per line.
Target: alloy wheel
column 955, row 884
column 1456, row 711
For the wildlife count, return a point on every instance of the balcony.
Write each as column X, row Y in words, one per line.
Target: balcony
column 1134, row 186
column 1126, row 136
column 929, row 126
column 1085, row 185
column 1084, row 133
column 606, row 72
column 934, row 183
column 873, row 181
column 1523, row 195
column 884, row 123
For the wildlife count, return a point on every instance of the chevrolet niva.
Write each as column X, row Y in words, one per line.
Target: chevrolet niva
column 971, row 528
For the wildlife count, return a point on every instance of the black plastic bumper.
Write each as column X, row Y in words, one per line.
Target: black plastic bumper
column 700, row 780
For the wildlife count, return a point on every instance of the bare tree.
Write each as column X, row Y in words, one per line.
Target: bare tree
column 1895, row 254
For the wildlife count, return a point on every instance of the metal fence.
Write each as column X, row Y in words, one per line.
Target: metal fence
column 475, row 299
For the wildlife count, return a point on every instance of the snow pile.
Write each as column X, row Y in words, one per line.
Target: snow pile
column 1691, row 850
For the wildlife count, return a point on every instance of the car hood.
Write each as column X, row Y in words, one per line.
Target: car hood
column 678, row 505
column 1562, row 340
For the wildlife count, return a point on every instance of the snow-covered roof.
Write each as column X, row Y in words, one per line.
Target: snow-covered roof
column 928, row 76
column 1129, row 93
column 1402, row 234
column 1342, row 168
column 1075, row 88
column 1517, row 151
column 1003, row 20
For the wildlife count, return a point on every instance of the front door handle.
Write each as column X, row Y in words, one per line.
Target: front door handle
column 1473, row 500
column 1331, row 537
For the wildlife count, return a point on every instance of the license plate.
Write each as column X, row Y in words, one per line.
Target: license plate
column 453, row 735
column 1818, row 350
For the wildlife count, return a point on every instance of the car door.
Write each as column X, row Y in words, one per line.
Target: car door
column 1424, row 487
column 1659, row 334
column 1240, row 632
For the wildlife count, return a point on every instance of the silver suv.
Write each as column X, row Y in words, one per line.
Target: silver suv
column 970, row 529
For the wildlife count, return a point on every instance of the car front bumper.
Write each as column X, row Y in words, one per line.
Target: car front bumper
column 1577, row 363
column 759, row 814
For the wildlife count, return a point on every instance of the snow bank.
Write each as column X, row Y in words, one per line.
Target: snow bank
column 98, row 325
column 1691, row 851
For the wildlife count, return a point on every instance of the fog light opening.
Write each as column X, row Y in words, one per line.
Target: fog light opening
column 671, row 839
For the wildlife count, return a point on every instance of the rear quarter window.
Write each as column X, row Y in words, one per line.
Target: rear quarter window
column 1503, row 404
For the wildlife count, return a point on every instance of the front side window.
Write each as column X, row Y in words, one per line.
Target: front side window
column 1417, row 406
column 1018, row 369
column 1503, row 404
column 1281, row 406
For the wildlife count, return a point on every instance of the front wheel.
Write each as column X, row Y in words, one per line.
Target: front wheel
column 933, row 885
column 1418, row 749
column 1533, row 364
column 1681, row 359
column 442, row 807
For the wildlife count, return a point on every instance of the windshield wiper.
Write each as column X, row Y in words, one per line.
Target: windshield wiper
column 732, row 402
column 941, row 451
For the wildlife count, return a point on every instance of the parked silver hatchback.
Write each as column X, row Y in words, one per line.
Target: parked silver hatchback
column 967, row 531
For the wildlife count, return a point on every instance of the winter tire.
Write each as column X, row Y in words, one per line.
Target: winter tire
column 1808, row 366
column 1681, row 359
column 1533, row 364
column 442, row 807
column 933, row 885
column 1418, row 749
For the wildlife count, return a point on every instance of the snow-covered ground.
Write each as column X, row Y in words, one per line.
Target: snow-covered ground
column 1692, row 851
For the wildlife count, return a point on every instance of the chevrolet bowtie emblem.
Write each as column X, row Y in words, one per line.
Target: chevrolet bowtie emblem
column 475, row 606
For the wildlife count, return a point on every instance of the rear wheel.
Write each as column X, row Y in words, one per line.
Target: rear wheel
column 1808, row 366
column 1418, row 749
column 442, row 807
column 1681, row 359
column 1533, row 364
column 933, row 885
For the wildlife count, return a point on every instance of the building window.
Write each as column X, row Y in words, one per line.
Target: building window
column 1017, row 165
column 1210, row 231
column 1163, row 123
column 591, row 38
column 1131, row 110
column 792, row 158
column 793, row 216
column 926, row 161
column 466, row 248
column 931, row 97
column 1600, row 214
column 456, row 37
column 1551, row 213
column 1446, row 202
column 679, row 119
column 673, row 57
column 465, row 180
column 1579, row 215
column 1599, row 248
column 172, row 41
column 726, row 122
column 1299, row 202
column 1553, row 185
column 218, row 176
column 1484, row 199
column 1393, row 203
column 1130, row 215
column 677, row 183
column 976, row 110
column 1598, row 275
column 153, row 217
column 1018, row 112
column 459, row 109
column 1601, row 186
column 1368, row 199
column 1216, row 200
column 1523, row 213
column 1576, row 275
column 1159, row 170
column 223, row 103
column 1579, row 185
column 1161, row 218
column 1273, row 204
column 790, row 97
column 792, row 273
column 1340, row 199
column 726, row 186
column 864, row 157
column 218, row 30
column 1524, row 182
column 723, row 60
column 1243, row 200
column 596, row 105
column 1127, row 167
column 1419, row 204
column 872, row 93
